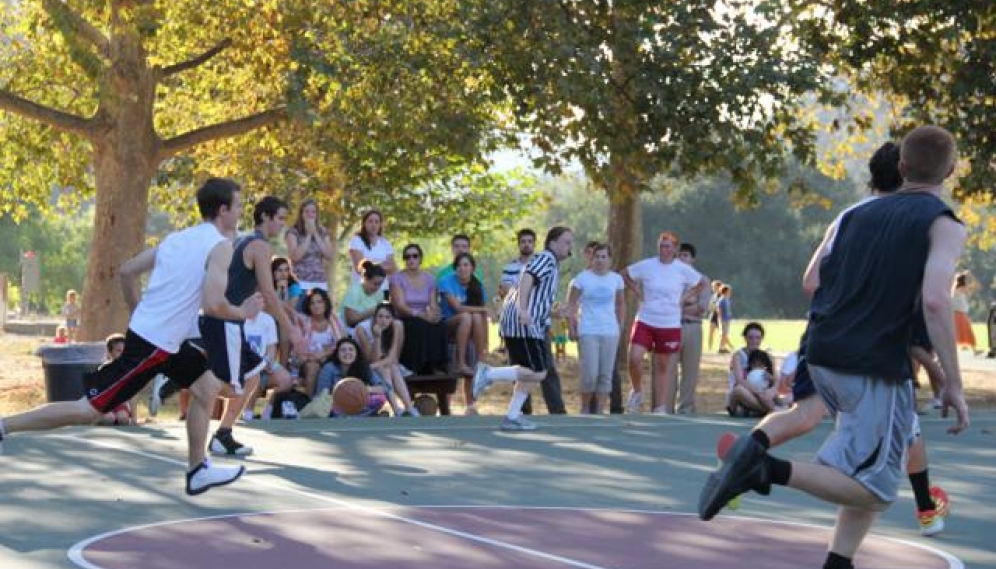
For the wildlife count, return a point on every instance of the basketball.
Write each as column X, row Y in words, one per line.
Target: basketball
column 426, row 405
column 758, row 379
column 349, row 397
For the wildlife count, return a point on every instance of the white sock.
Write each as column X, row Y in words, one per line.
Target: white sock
column 515, row 406
column 503, row 373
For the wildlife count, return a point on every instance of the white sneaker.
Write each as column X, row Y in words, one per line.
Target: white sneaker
column 662, row 410
column 520, row 424
column 288, row 410
column 155, row 399
column 248, row 416
column 482, row 379
column 635, row 402
column 207, row 476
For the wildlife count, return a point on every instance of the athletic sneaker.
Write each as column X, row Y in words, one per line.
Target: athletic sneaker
column 662, row 410
column 744, row 468
column 207, row 476
column 932, row 521
column 482, row 379
column 1, row 443
column 520, row 424
column 635, row 402
column 155, row 395
column 225, row 443
column 288, row 410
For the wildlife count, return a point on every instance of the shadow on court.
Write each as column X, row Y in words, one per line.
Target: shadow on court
column 605, row 486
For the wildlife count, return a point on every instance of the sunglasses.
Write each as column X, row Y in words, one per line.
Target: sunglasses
column 412, row 256
column 754, row 337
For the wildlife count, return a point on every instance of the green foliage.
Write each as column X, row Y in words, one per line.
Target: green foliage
column 633, row 89
column 934, row 60
column 61, row 243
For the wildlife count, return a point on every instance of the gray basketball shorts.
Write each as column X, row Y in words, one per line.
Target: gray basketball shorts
column 874, row 427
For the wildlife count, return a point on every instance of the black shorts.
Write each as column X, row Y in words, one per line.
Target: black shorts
column 527, row 352
column 803, row 385
column 118, row 381
column 229, row 355
column 918, row 334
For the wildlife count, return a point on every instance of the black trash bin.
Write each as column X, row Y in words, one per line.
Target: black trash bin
column 64, row 366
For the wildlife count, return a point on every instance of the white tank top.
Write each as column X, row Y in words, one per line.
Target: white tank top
column 168, row 309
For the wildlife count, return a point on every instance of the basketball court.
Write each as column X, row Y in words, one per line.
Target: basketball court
column 595, row 493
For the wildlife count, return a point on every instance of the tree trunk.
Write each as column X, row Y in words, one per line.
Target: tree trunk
column 624, row 231
column 124, row 163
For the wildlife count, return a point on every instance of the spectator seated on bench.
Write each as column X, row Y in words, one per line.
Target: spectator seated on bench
column 465, row 310
column 415, row 300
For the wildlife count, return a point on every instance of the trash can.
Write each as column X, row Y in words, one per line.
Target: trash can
column 64, row 366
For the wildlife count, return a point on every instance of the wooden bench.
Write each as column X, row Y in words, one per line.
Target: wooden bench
column 440, row 385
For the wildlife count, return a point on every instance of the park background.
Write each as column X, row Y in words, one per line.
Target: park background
column 743, row 126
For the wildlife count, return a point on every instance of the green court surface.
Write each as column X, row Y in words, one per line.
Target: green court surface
column 60, row 489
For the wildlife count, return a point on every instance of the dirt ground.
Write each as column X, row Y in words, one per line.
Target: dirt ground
column 22, row 383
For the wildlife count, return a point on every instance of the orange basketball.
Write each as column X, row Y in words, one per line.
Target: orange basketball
column 349, row 397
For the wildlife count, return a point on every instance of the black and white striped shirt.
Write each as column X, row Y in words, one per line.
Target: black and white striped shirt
column 546, row 278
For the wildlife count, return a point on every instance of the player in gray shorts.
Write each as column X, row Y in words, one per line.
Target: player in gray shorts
column 889, row 254
column 874, row 428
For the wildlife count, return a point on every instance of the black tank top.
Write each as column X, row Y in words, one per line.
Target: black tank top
column 241, row 280
column 862, row 314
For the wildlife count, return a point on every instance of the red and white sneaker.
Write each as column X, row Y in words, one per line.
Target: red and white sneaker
column 932, row 521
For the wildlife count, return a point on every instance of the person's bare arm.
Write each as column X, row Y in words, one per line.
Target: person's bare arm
column 398, row 300
column 573, row 302
column 389, row 265
column 296, row 247
column 811, row 278
column 356, row 257
column 259, row 254
column 325, row 245
column 526, row 283
column 129, row 272
column 213, row 299
column 947, row 241
column 632, row 284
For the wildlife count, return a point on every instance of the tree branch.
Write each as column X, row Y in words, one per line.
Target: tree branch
column 197, row 61
column 69, row 21
column 59, row 120
column 173, row 146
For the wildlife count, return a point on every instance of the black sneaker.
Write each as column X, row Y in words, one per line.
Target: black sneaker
column 226, row 444
column 744, row 468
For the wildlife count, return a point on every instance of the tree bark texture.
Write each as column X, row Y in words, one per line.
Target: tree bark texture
column 125, row 146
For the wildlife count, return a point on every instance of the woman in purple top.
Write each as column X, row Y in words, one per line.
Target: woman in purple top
column 413, row 294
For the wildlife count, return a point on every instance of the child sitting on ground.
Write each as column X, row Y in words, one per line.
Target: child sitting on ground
column 120, row 415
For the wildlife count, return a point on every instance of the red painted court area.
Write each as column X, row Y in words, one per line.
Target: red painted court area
column 486, row 538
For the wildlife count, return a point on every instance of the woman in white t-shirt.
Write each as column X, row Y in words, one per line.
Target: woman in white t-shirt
column 599, row 293
column 369, row 244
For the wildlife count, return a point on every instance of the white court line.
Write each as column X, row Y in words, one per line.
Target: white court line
column 75, row 553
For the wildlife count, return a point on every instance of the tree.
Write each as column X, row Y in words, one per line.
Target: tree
column 934, row 61
column 105, row 98
column 98, row 95
column 635, row 89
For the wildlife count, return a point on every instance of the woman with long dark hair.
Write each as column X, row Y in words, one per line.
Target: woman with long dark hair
column 381, row 338
column 465, row 311
column 321, row 331
column 369, row 244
